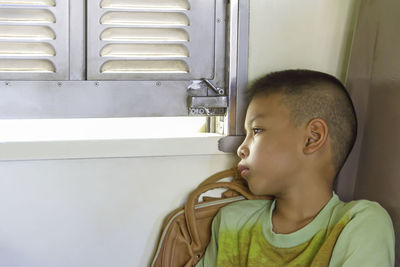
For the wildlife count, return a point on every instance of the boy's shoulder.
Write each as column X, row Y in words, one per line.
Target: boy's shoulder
column 361, row 210
column 361, row 217
column 365, row 221
column 358, row 210
column 363, row 207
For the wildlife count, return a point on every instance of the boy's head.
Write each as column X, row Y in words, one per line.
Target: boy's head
column 295, row 115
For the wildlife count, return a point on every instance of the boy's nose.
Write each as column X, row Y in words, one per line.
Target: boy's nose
column 242, row 151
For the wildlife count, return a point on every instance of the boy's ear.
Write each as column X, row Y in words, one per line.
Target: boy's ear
column 317, row 134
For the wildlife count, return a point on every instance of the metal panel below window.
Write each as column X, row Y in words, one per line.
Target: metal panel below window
column 89, row 99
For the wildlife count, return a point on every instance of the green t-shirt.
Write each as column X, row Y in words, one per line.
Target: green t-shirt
column 358, row 233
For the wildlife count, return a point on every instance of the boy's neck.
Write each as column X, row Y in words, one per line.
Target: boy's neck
column 295, row 210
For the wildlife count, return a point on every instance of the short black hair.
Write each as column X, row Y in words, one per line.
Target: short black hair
column 309, row 95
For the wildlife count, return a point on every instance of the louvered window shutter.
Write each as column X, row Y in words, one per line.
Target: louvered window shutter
column 121, row 58
column 151, row 39
column 33, row 40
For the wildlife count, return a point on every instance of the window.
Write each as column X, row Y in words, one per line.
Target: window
column 142, row 40
column 99, row 129
column 33, row 40
column 121, row 58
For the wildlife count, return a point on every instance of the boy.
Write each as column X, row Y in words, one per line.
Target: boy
column 300, row 126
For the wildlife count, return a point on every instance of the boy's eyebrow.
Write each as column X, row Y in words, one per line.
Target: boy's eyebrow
column 257, row 116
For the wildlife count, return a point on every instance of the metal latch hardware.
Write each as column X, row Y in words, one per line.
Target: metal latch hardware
column 219, row 91
column 205, row 99
column 208, row 105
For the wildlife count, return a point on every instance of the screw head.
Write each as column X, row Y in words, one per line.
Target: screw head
column 158, row 83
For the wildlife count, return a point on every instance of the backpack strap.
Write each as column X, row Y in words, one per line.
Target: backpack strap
column 193, row 199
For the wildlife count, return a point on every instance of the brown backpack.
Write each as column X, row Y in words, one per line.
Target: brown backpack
column 186, row 231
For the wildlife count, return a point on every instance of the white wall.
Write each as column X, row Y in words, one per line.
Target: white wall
column 92, row 212
column 107, row 211
column 312, row 34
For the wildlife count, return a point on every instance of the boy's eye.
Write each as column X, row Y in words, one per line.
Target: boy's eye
column 257, row 130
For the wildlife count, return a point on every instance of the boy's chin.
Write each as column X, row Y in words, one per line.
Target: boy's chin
column 258, row 191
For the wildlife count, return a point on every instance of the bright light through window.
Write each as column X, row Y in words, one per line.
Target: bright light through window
column 100, row 129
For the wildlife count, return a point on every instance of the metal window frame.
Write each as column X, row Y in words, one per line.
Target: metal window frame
column 238, row 67
column 77, row 98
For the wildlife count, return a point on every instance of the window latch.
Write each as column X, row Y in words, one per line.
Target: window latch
column 208, row 105
column 215, row 105
column 219, row 91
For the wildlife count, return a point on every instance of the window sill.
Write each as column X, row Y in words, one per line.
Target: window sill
column 199, row 144
column 105, row 138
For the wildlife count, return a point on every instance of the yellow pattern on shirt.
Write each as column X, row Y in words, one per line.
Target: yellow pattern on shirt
column 250, row 248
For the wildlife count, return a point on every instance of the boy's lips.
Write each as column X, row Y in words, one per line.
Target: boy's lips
column 243, row 170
